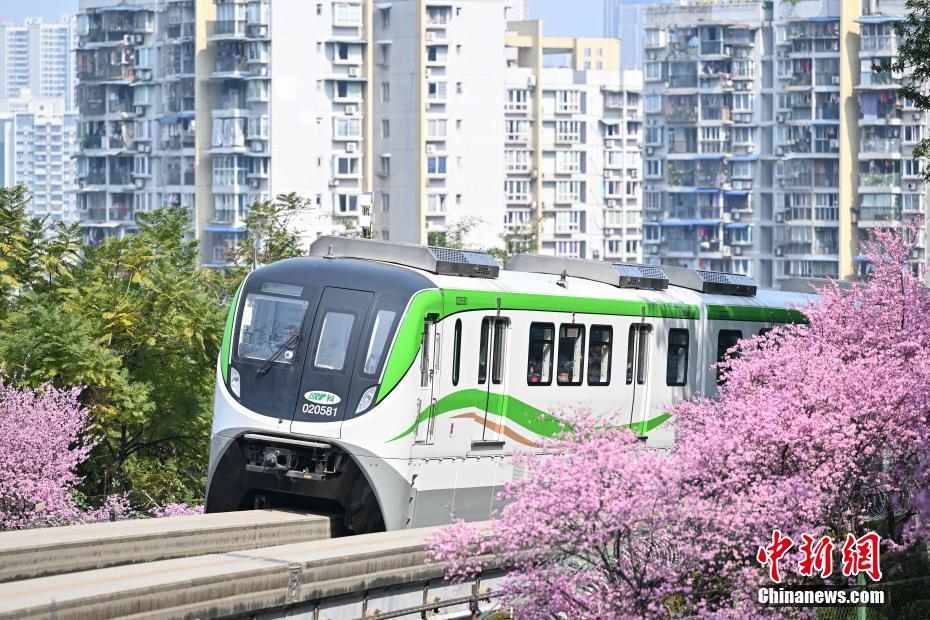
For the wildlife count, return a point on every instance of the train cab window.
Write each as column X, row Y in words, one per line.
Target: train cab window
column 333, row 344
column 599, row 354
column 726, row 339
column 483, row 350
column 268, row 323
column 456, row 351
column 377, row 344
column 539, row 360
column 676, row 368
column 571, row 354
column 497, row 352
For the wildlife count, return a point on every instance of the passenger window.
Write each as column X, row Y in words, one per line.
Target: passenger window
column 764, row 331
column 630, row 352
column 456, row 351
column 380, row 331
column 599, row 354
column 483, row 351
column 333, row 344
column 497, row 362
column 267, row 324
column 676, row 368
column 726, row 339
column 571, row 354
column 539, row 362
column 644, row 331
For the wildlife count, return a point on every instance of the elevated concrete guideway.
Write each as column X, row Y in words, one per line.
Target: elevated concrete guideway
column 373, row 575
column 49, row 551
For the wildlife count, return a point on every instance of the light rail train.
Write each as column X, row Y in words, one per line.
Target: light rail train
column 393, row 383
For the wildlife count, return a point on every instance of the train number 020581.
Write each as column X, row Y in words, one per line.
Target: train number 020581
column 320, row 410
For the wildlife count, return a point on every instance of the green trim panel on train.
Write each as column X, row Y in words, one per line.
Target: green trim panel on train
column 755, row 314
column 227, row 334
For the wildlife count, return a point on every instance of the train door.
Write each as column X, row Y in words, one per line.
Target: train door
column 330, row 362
column 429, row 378
column 637, row 370
column 492, row 374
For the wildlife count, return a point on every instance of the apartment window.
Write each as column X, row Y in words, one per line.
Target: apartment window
column 348, row 127
column 256, row 90
column 653, row 37
column 346, row 204
column 436, row 165
column 568, row 191
column 654, row 70
column 438, row 15
column 571, row 355
column 569, row 131
column 436, row 128
column 347, row 166
column 385, row 92
column 568, row 249
column 437, row 53
column 517, row 131
column 742, row 135
column 384, row 53
column 517, row 100
column 517, row 161
column 652, row 104
column 742, row 102
column 676, row 367
column 517, row 191
column 913, row 133
column 599, row 355
column 567, row 222
column 345, row 14
column 386, row 17
column 653, row 135
column 385, row 128
column 319, row 8
column 385, row 164
column 385, row 202
column 567, row 162
column 142, row 165
column 653, row 168
column 228, row 170
column 913, row 168
column 567, row 101
column 436, row 91
column 435, row 203
column 349, row 90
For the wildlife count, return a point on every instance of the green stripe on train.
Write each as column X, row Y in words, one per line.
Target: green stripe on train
column 227, row 335
column 532, row 419
column 447, row 302
column 756, row 314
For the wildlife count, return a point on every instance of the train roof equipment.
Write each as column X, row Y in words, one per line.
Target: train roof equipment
column 621, row 275
column 711, row 282
column 440, row 261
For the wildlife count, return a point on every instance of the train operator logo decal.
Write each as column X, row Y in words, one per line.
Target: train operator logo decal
column 322, row 398
column 321, row 403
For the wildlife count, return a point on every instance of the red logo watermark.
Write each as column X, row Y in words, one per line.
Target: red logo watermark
column 859, row 555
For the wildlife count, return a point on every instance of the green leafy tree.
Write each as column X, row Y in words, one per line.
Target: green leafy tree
column 270, row 234
column 137, row 323
column 913, row 63
column 454, row 234
column 523, row 238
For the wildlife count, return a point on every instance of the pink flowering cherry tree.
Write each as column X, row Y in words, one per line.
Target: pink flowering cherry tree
column 822, row 428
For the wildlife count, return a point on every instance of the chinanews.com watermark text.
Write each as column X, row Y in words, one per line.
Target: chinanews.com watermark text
column 818, row 597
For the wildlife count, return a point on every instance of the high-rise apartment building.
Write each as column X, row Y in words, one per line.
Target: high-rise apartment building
column 772, row 148
column 625, row 20
column 572, row 145
column 37, row 56
column 37, row 140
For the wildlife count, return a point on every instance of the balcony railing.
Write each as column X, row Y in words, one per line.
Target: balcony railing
column 880, row 179
column 879, row 214
column 880, row 145
column 681, row 115
column 231, row 65
column 879, row 43
column 229, row 27
column 682, row 81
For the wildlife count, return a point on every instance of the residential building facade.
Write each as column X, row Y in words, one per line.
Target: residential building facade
column 772, row 147
column 572, row 145
column 37, row 56
column 38, row 139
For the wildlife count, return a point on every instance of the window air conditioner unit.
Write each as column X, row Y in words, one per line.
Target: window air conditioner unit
column 353, row 71
column 834, row 144
column 779, row 250
column 430, row 37
column 654, row 249
column 608, row 174
column 727, row 50
column 779, row 151
column 351, row 109
column 737, row 250
column 351, row 147
column 911, row 187
column 127, row 39
column 611, row 203
column 650, row 121
column 649, row 150
column 916, row 116
column 836, row 80
column 779, row 118
column 253, row 183
column 140, row 183
column 430, row 149
column 144, row 148
column 736, row 216
column 725, row 250
column 779, row 218
column 138, row 39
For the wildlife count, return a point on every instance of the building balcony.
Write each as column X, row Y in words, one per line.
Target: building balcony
column 226, row 29
column 880, row 179
column 877, row 216
column 883, row 146
column 884, row 43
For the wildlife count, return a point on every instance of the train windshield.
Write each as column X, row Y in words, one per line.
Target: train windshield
column 267, row 323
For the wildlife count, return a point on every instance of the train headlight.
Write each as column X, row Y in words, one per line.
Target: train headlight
column 234, row 383
column 365, row 401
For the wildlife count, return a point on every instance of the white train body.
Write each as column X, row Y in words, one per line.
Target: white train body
column 403, row 394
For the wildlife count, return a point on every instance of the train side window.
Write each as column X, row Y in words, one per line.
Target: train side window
column 644, row 331
column 600, row 354
column 539, row 360
column 497, row 360
column 630, row 352
column 384, row 321
column 726, row 338
column 333, row 343
column 676, row 368
column 483, row 351
column 764, row 331
column 456, row 351
column 571, row 354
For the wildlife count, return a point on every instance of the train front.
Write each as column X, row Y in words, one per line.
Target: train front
column 304, row 349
